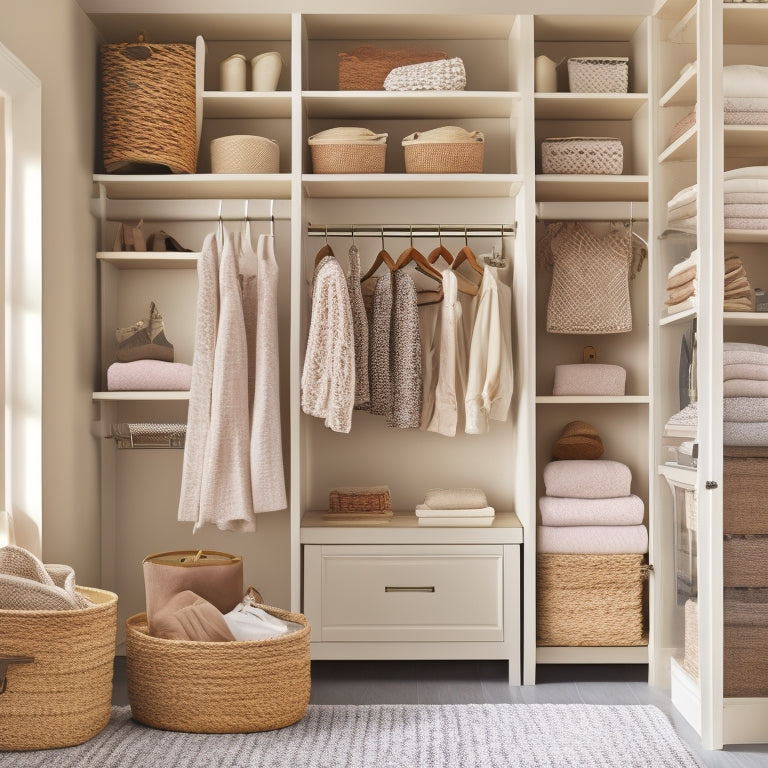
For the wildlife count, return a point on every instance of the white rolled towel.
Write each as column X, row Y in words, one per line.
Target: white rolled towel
column 592, row 539
column 587, row 478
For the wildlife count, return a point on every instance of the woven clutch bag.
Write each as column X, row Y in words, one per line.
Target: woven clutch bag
column 447, row 75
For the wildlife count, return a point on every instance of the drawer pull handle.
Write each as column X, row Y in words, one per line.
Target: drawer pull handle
column 409, row 589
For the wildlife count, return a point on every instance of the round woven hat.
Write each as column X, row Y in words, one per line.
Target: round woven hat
column 578, row 440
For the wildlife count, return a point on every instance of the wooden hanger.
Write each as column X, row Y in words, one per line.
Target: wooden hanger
column 411, row 254
column 441, row 250
column 466, row 254
column 326, row 250
column 382, row 257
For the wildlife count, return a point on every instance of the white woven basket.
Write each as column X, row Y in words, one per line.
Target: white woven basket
column 582, row 154
column 446, row 75
column 604, row 74
column 244, row 154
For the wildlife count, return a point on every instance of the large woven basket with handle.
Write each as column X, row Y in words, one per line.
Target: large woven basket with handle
column 56, row 673
column 228, row 687
column 149, row 107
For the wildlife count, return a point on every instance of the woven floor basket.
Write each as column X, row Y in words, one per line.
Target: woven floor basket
column 149, row 107
column 590, row 600
column 230, row 687
column 349, row 158
column 366, row 67
column 244, row 154
column 745, row 661
column 64, row 697
column 744, row 561
column 450, row 157
column 745, row 489
column 606, row 74
column 582, row 154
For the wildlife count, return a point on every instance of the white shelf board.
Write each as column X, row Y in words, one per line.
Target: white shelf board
column 399, row 185
column 745, row 318
column 149, row 260
column 678, row 317
column 592, row 655
column 246, row 104
column 147, row 395
column 682, row 25
column 683, row 148
column 592, row 399
column 583, row 187
column 672, row 9
column 588, row 106
column 749, row 138
column 683, row 91
column 274, row 186
column 745, row 23
column 679, row 475
column 445, row 104
column 746, row 236
column 591, row 28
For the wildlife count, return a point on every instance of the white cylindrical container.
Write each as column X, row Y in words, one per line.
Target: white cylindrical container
column 232, row 73
column 265, row 71
column 545, row 75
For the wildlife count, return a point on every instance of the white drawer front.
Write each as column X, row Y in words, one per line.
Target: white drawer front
column 410, row 593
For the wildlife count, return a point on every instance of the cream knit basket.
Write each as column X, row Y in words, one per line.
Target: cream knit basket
column 604, row 74
column 582, row 154
column 244, row 154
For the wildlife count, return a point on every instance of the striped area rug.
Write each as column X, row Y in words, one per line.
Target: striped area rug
column 396, row 736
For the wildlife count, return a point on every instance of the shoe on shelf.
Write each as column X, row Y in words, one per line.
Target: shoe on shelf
column 144, row 341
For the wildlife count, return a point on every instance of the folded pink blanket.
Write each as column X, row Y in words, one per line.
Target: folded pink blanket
column 587, row 479
column 740, row 433
column 624, row 510
column 592, row 539
column 148, row 375
column 745, row 409
column 745, row 371
column 745, row 388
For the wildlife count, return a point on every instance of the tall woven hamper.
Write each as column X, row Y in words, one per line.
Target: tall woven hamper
column 64, row 696
column 590, row 600
column 149, row 107
column 228, row 687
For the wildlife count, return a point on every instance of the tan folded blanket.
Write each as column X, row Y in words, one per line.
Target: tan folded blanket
column 681, row 293
column 745, row 388
column 683, row 277
column 745, row 371
column 745, row 118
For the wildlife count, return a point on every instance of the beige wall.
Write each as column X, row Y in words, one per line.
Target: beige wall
column 55, row 39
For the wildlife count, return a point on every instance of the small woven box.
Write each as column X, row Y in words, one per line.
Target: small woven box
column 582, row 154
column 603, row 74
column 360, row 499
column 244, row 154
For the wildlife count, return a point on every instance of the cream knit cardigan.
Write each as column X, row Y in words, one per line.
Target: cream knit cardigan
column 328, row 377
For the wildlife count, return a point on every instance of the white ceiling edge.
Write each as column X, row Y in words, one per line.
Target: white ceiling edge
column 513, row 7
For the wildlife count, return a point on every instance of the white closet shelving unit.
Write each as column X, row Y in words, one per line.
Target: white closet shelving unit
column 598, row 199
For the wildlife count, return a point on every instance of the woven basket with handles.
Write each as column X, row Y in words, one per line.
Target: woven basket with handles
column 590, row 600
column 149, row 111
column 63, row 696
column 228, row 687
column 244, row 154
column 366, row 67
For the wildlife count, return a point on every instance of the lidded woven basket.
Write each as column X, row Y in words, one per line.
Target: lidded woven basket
column 64, row 696
column 149, row 110
column 227, row 687
column 244, row 154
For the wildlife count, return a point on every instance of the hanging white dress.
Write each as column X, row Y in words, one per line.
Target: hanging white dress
column 199, row 412
column 226, row 499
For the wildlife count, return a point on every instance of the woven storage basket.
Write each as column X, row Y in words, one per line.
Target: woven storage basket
column 244, row 154
column 349, row 158
column 229, row 687
column 366, row 67
column 64, row 697
column 450, row 157
column 745, row 488
column 582, row 154
column 745, row 661
column 590, row 600
column 744, row 561
column 603, row 74
column 373, row 499
column 149, row 114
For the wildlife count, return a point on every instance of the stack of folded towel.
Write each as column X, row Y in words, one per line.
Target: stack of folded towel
column 588, row 509
column 745, row 394
column 682, row 285
column 359, row 504
column 745, row 94
column 455, row 507
column 739, row 295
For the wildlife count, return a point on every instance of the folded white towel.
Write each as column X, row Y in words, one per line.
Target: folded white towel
column 457, row 522
column 455, row 498
column 592, row 539
column 745, row 409
column 587, row 478
column 747, row 172
column 745, row 388
column 745, row 371
column 422, row 510
column 740, row 433
column 624, row 510
column 745, row 81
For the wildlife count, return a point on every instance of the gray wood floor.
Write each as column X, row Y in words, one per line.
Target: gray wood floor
column 466, row 682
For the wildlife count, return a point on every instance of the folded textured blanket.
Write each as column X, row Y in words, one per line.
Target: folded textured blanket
column 732, row 222
column 587, row 479
column 455, row 498
column 745, row 118
column 745, row 388
column 149, row 375
column 745, row 197
column 745, row 409
column 745, row 81
column 682, row 278
column 683, row 211
column 681, row 293
column 743, row 433
column 622, row 510
column 682, row 197
column 745, row 371
column 740, row 104
column 422, row 510
column 746, row 304
column 592, row 539
column 683, row 306
column 589, row 379
column 746, row 210
column 744, row 352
